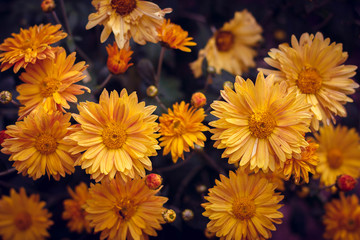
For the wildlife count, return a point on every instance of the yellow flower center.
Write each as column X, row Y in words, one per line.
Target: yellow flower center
column 334, row 158
column 261, row 124
column 45, row 143
column 243, row 208
column 23, row 221
column 178, row 127
column 114, row 135
column 126, row 209
column 123, row 7
column 224, row 40
column 309, row 80
column 49, row 86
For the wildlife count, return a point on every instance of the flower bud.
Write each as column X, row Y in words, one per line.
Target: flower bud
column 169, row 215
column 209, row 234
column 47, row 6
column 228, row 84
column 152, row 91
column 5, row 97
column 187, row 214
column 201, row 188
column 198, row 100
column 345, row 183
column 3, row 136
column 211, row 70
column 153, row 181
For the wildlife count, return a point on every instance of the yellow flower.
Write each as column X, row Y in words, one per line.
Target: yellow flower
column 180, row 129
column 231, row 47
column 127, row 18
column 73, row 210
column 277, row 178
column 342, row 218
column 124, row 210
column 50, row 83
column 173, row 36
column 339, row 153
column 315, row 69
column 259, row 123
column 117, row 135
column 29, row 46
column 118, row 59
column 243, row 207
column 23, row 217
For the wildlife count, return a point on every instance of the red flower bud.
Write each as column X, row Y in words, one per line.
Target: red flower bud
column 153, row 181
column 345, row 183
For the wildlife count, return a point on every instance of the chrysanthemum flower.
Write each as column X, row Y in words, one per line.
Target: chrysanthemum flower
column 173, row 36
column 118, row 59
column 342, row 218
column 37, row 145
column 243, row 207
column 260, row 123
column 180, row 129
column 231, row 47
column 124, row 210
column 29, row 46
column 315, row 69
column 339, row 153
column 73, row 210
column 276, row 178
column 23, row 217
column 117, row 135
column 127, row 19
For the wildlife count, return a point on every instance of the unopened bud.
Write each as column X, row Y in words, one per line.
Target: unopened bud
column 228, row 84
column 169, row 215
column 152, row 91
column 187, row 214
column 3, row 136
column 201, row 188
column 345, row 183
column 5, row 97
column 198, row 100
column 47, row 6
column 209, row 234
column 153, row 181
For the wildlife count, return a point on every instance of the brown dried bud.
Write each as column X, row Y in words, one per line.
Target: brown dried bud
column 152, row 91
column 5, row 97
column 187, row 214
column 169, row 215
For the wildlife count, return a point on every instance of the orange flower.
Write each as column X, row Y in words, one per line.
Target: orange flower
column 118, row 60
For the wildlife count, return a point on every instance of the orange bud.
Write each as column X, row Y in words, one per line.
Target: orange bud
column 198, row 100
column 345, row 183
column 118, row 59
column 47, row 6
column 153, row 181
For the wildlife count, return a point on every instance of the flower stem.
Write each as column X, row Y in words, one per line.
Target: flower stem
column 9, row 171
column 103, row 84
column 158, row 73
column 212, row 162
column 67, row 26
column 57, row 20
column 175, row 166
column 158, row 100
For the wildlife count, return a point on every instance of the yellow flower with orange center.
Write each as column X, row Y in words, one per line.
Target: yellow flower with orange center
column 118, row 59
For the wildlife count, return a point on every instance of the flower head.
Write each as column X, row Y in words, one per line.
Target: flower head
column 118, row 59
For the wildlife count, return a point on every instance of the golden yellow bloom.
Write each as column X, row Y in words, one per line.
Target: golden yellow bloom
column 231, row 47
column 180, row 129
column 315, row 69
column 277, row 178
column 118, row 59
column 125, row 210
column 173, row 36
column 342, row 218
column 117, row 135
column 127, row 19
column 243, row 207
column 339, row 153
column 23, row 217
column 50, row 83
column 73, row 210
column 29, row 46
column 260, row 123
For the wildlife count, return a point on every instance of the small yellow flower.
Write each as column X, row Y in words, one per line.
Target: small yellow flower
column 118, row 59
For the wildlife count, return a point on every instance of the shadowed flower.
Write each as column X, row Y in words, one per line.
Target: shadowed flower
column 118, row 59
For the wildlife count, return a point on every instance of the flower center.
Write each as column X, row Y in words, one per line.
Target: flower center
column 334, row 158
column 114, row 135
column 126, row 209
column 350, row 224
column 23, row 221
column 243, row 208
column 49, row 86
column 178, row 127
column 123, row 7
column 261, row 124
column 45, row 143
column 224, row 40
column 309, row 80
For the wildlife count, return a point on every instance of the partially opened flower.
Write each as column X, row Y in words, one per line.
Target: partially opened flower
column 118, row 59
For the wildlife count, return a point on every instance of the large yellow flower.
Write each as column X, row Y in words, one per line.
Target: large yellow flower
column 243, row 207
column 127, row 18
column 124, row 210
column 117, row 135
column 315, row 68
column 23, row 217
column 231, row 47
column 29, row 46
column 260, row 123
column 339, row 153
column 180, row 129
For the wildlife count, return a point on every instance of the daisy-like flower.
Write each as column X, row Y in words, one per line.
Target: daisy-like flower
column 180, row 129
column 173, row 36
column 231, row 47
column 118, row 59
column 260, row 123
column 37, row 145
column 315, row 69
column 73, row 210
column 29, row 46
column 117, row 135
column 127, row 19
column 125, row 210
column 50, row 83
column 243, row 207
column 342, row 218
column 23, row 217
column 339, row 153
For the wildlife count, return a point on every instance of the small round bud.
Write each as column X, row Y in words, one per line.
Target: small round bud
column 211, row 70
column 169, row 215
column 303, row 192
column 187, row 214
column 209, row 234
column 47, row 6
column 198, row 100
column 153, row 181
column 3, row 136
column 5, row 97
column 228, row 84
column 345, row 183
column 280, row 35
column 152, row 91
column 201, row 188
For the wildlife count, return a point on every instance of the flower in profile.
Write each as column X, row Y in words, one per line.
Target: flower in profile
column 118, row 59
column 29, row 46
column 315, row 69
column 260, row 124
column 50, row 83
column 117, row 135
column 173, row 36
column 342, row 218
column 243, row 207
column 37, row 145
column 127, row 19
column 124, row 210
column 180, row 129
column 23, row 217
column 231, row 47
column 339, row 153
column 73, row 210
